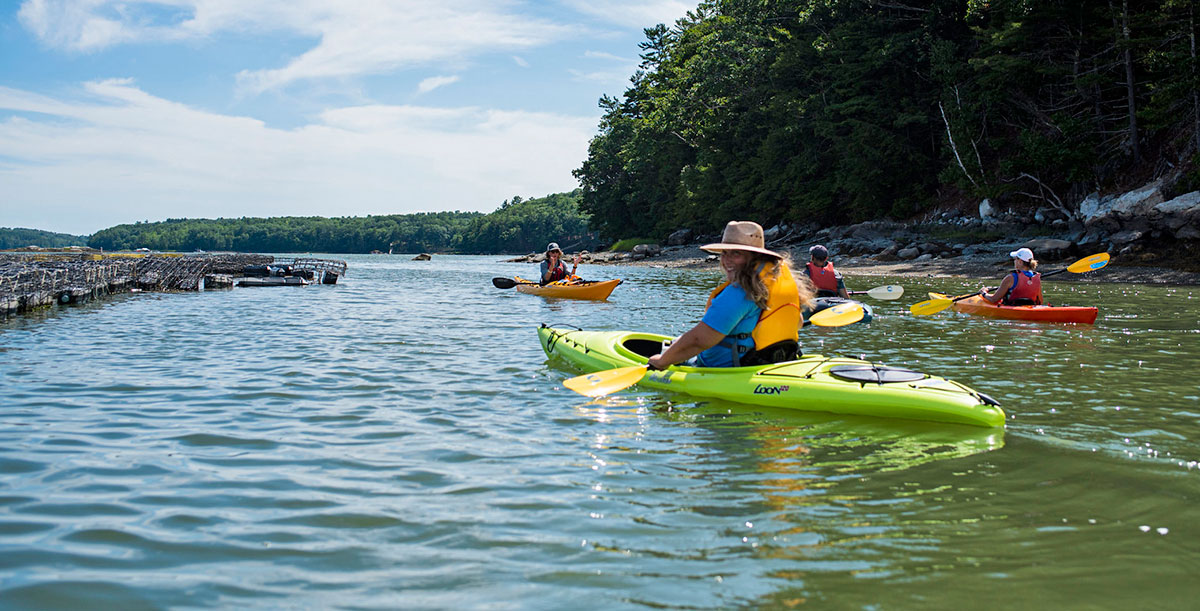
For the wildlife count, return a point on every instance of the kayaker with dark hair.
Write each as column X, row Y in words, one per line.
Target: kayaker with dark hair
column 1021, row 287
column 820, row 270
column 751, row 318
column 553, row 268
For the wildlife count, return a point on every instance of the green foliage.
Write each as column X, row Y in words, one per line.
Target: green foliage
column 523, row 226
column 847, row 110
column 517, row 226
column 627, row 244
column 19, row 238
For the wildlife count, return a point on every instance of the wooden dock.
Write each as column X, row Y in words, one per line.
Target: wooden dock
column 30, row 280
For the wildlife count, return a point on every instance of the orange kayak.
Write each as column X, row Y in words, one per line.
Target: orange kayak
column 1039, row 313
column 569, row 289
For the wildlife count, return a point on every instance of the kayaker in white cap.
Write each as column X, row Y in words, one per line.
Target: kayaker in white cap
column 1021, row 287
column 751, row 318
column 553, row 268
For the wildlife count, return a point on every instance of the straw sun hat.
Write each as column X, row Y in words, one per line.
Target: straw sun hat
column 742, row 235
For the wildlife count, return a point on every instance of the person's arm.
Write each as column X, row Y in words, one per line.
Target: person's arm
column 1000, row 292
column 575, row 264
column 546, row 271
column 698, row 339
column 841, row 288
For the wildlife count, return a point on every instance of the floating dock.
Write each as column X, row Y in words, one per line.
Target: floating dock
column 31, row 280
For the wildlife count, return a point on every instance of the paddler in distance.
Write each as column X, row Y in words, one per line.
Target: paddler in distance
column 553, row 268
column 820, row 270
column 753, row 317
column 1023, row 286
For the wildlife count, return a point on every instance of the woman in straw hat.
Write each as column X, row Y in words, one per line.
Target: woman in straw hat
column 753, row 317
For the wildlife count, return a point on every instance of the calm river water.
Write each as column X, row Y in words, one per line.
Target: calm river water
column 400, row 441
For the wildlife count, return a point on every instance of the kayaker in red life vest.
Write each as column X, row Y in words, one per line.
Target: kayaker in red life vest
column 553, row 268
column 753, row 316
column 1021, row 287
column 820, row 270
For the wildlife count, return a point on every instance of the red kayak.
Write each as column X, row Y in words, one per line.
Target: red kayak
column 1040, row 313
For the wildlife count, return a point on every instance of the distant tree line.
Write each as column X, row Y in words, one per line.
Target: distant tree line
column 19, row 238
column 847, row 110
column 518, row 226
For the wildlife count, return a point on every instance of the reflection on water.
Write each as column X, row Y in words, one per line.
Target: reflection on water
column 400, row 440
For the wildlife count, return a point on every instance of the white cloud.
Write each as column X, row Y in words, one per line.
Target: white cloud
column 608, row 56
column 634, row 13
column 355, row 37
column 434, row 82
column 520, row 61
column 607, row 77
column 123, row 155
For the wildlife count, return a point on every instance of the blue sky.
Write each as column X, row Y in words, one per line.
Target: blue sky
column 122, row 111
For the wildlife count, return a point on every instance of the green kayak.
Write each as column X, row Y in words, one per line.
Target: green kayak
column 813, row 382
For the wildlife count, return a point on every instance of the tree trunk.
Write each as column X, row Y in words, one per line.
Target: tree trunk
column 1195, row 84
column 1129, row 90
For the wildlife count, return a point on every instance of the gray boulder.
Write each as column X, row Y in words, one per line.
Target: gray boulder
column 1136, row 203
column 647, row 250
column 1188, row 232
column 679, row 238
column 1177, row 212
column 986, row 210
column 1126, row 237
column 1091, row 206
column 908, row 254
column 1048, row 215
column 1049, row 249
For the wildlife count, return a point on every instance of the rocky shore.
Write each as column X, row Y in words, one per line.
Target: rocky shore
column 981, row 266
column 1153, row 239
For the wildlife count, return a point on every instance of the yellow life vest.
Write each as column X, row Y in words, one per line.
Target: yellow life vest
column 780, row 321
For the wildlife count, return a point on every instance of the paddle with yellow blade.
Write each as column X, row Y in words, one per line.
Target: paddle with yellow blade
column 1086, row 264
column 883, row 293
column 601, row 383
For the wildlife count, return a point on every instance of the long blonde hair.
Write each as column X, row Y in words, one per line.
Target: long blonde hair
column 748, row 279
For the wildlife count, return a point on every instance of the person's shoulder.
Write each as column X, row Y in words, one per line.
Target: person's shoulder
column 731, row 292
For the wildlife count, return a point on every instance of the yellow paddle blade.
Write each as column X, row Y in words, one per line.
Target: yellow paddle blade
column 932, row 306
column 837, row 316
column 602, row 383
column 1088, row 264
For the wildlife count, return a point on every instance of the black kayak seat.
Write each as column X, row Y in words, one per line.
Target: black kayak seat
column 879, row 374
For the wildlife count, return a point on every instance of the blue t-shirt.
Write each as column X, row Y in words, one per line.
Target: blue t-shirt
column 731, row 313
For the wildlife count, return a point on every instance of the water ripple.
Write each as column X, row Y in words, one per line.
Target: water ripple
column 399, row 440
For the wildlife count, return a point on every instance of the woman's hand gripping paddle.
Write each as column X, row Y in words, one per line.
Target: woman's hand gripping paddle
column 882, row 293
column 601, row 383
column 1086, row 264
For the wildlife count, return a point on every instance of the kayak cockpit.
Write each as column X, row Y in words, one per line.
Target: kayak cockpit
column 643, row 346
